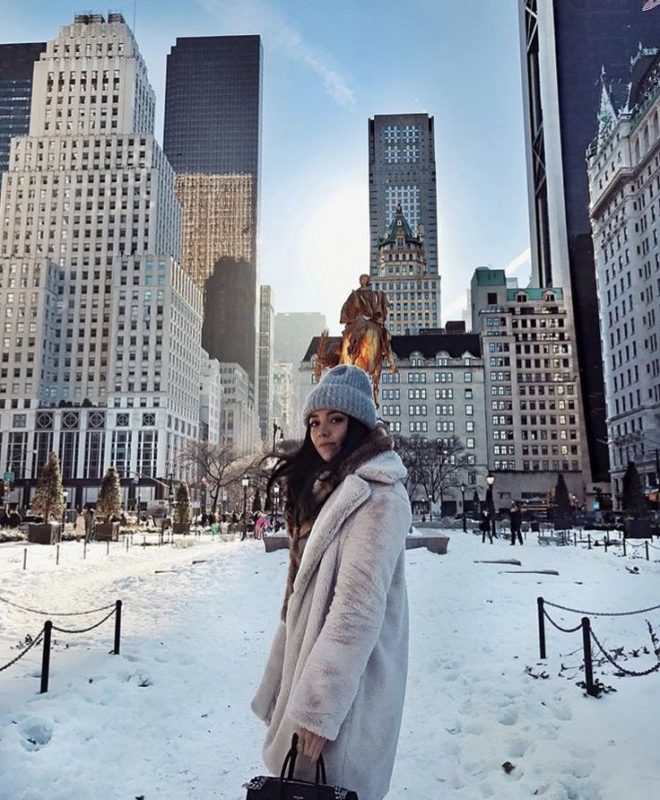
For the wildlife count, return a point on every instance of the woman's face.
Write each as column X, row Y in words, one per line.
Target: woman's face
column 328, row 431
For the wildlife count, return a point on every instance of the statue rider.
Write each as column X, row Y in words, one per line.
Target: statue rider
column 370, row 304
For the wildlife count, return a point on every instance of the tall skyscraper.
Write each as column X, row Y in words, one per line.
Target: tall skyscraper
column 102, row 328
column 212, row 138
column 402, row 171
column 566, row 44
column 266, row 359
column 16, row 66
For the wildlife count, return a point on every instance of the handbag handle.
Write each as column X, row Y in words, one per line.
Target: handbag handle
column 290, row 761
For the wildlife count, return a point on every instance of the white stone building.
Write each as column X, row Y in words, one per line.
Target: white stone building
column 239, row 421
column 624, row 187
column 210, row 402
column 438, row 393
column 285, row 410
column 102, row 327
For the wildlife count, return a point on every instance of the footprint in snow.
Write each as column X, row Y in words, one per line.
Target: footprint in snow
column 509, row 716
column 36, row 733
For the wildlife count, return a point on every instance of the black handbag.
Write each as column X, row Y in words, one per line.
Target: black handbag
column 266, row 787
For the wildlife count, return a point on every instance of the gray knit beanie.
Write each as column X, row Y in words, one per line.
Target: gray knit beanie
column 344, row 388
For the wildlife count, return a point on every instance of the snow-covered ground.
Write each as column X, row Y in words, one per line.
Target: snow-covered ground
column 169, row 718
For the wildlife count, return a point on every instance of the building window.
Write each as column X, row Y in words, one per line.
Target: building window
column 94, row 451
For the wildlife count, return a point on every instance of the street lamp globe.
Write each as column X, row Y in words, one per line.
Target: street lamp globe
column 245, row 481
column 490, row 479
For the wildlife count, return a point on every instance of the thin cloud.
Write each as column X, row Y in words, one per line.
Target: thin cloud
column 520, row 261
column 258, row 16
column 458, row 307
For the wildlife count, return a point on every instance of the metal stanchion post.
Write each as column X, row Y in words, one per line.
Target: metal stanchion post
column 588, row 667
column 541, row 616
column 117, row 627
column 45, row 658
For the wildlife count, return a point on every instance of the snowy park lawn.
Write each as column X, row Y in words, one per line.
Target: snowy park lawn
column 169, row 718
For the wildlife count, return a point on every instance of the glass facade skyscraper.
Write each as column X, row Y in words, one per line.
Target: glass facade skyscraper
column 213, row 105
column 16, row 65
column 212, row 138
column 566, row 45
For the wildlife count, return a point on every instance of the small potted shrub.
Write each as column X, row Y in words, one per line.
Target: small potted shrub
column 48, row 502
column 108, row 507
column 182, row 510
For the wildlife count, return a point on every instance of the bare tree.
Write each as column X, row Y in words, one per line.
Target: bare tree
column 212, row 462
column 434, row 466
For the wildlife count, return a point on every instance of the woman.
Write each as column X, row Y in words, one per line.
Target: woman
column 336, row 672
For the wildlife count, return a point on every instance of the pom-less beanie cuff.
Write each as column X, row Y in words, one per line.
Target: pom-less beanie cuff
column 344, row 388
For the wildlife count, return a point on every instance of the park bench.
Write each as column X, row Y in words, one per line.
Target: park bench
column 551, row 536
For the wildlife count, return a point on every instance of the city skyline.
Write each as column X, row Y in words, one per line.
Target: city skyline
column 315, row 171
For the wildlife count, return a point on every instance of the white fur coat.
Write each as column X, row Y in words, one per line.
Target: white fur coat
column 338, row 665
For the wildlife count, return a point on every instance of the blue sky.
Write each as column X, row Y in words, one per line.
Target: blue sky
column 328, row 67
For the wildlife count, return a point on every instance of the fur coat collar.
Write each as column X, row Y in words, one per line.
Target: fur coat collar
column 377, row 441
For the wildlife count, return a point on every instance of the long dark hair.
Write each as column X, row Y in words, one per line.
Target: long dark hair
column 300, row 469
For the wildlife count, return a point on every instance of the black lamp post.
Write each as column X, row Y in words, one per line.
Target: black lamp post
column 490, row 503
column 277, row 428
column 205, row 484
column 276, row 502
column 65, row 496
column 171, row 493
column 463, row 501
column 245, row 482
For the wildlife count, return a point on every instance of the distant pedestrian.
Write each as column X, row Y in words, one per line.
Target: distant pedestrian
column 260, row 526
column 516, row 523
column 486, row 527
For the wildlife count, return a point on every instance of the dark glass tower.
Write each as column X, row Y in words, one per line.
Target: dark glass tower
column 213, row 128
column 16, row 63
column 402, row 171
column 566, row 44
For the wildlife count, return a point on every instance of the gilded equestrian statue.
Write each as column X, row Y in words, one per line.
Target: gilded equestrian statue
column 365, row 339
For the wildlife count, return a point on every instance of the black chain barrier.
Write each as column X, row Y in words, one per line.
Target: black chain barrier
column 85, row 630
column 27, row 649
column 593, row 688
column 56, row 613
column 621, row 669
column 45, row 635
column 602, row 613
column 559, row 627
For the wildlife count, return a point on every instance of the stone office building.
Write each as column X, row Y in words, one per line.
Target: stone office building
column 624, row 185
column 101, row 326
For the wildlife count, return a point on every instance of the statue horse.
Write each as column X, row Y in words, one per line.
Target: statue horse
column 361, row 345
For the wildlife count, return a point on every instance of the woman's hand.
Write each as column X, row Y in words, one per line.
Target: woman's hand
column 310, row 744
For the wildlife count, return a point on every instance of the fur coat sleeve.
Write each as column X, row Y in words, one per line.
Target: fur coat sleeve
column 264, row 700
column 371, row 546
